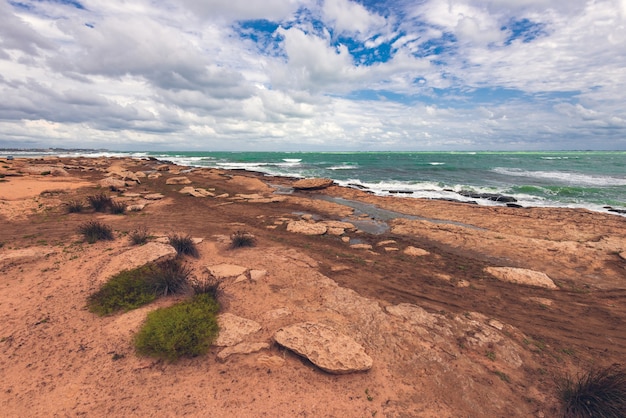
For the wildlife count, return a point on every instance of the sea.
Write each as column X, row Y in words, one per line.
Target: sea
column 595, row 180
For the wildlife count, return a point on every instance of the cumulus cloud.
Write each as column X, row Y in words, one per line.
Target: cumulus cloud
column 309, row 74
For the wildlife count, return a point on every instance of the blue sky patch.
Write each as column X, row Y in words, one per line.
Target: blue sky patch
column 524, row 30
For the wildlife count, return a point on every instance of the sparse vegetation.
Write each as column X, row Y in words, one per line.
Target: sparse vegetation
column 184, row 245
column 117, row 207
column 96, row 231
column 169, row 276
column 596, row 393
column 503, row 376
column 210, row 286
column 241, row 239
column 75, row 206
column 139, row 236
column 133, row 288
column 99, row 202
column 186, row 329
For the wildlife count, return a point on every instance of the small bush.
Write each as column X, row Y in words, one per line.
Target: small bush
column 127, row 290
column 185, row 329
column 242, row 239
column 139, row 236
column 74, row 206
column 597, row 393
column 99, row 202
column 95, row 231
column 169, row 276
column 210, row 286
column 184, row 245
column 117, row 208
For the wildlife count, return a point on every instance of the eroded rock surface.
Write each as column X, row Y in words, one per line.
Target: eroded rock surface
column 313, row 184
column 522, row 276
column 328, row 349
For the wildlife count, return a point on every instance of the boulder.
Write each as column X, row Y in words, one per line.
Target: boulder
column 113, row 183
column 313, row 184
column 522, row 276
column 233, row 329
column 178, row 180
column 153, row 196
column 306, row 228
column 325, row 347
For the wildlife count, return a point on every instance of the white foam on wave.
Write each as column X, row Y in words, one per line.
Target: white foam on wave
column 343, row 167
column 436, row 163
column 564, row 177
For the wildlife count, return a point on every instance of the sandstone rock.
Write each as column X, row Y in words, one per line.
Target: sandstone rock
column 135, row 208
column 111, row 182
column 256, row 275
column 415, row 252
column 328, row 349
column 272, row 362
column 306, row 228
column 153, row 176
column 139, row 256
column 196, row 192
column 233, row 329
column 361, row 246
column 154, row 196
column 623, row 255
column 242, row 348
column 385, row 243
column 313, row 184
column 224, row 271
column 163, row 167
column 522, row 276
column 25, row 254
column 340, row 224
column 178, row 180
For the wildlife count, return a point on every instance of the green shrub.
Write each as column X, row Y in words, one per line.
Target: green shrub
column 74, row 206
column 95, row 231
column 127, row 290
column 117, row 208
column 597, row 393
column 242, row 239
column 99, row 202
column 186, row 329
column 184, row 245
column 169, row 276
column 210, row 286
column 139, row 236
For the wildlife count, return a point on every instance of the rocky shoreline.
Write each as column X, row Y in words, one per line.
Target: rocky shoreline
column 342, row 307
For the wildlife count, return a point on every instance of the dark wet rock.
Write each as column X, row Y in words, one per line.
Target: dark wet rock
column 496, row 197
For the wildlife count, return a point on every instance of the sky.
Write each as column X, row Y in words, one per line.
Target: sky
column 313, row 75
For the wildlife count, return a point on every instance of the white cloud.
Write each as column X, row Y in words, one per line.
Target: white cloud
column 351, row 18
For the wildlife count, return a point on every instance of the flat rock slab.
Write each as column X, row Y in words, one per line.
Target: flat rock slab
column 306, row 228
column 233, row 329
column 178, row 180
column 196, row 192
column 242, row 348
column 139, row 256
column 522, row 276
column 224, row 271
column 313, row 184
column 325, row 347
column 415, row 252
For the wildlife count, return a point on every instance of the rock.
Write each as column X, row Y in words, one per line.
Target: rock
column 328, row 349
column 313, row 184
column 178, row 180
column 139, row 256
column 361, row 246
column 163, row 167
column 340, row 224
column 114, row 183
column 135, row 208
column 153, row 176
column 496, row 197
column 256, row 275
column 225, row 271
column 306, row 228
column 385, row 243
column 623, row 255
column 24, row 255
column 233, row 329
column 522, row 276
column 196, row 192
column 154, row 196
column 272, row 362
column 242, row 348
column 415, row 252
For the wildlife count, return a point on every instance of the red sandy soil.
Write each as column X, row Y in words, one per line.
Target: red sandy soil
column 58, row 359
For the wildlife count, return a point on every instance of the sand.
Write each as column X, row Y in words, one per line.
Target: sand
column 447, row 338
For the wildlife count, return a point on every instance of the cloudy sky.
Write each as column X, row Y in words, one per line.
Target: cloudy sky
column 313, row 74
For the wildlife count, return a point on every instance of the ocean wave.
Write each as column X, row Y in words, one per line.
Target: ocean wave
column 563, row 177
column 343, row 167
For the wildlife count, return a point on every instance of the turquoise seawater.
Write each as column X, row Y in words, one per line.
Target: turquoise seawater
column 587, row 179
column 591, row 180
